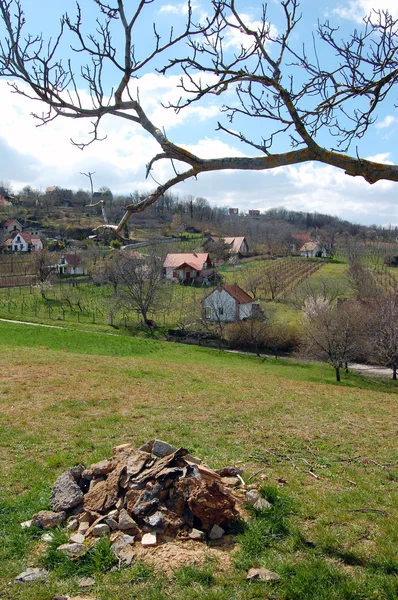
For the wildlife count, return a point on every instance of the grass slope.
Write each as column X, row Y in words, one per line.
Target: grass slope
column 68, row 397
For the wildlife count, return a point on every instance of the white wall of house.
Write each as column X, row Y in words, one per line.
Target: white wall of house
column 245, row 310
column 19, row 244
column 220, row 306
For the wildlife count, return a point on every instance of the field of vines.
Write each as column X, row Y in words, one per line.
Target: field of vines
column 87, row 304
column 385, row 279
column 278, row 277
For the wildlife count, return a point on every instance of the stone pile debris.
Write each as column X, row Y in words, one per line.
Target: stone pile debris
column 152, row 494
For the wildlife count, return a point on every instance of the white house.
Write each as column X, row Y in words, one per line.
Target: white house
column 186, row 267
column 313, row 250
column 71, row 264
column 24, row 242
column 229, row 303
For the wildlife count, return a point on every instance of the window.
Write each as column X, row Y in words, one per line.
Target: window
column 221, row 310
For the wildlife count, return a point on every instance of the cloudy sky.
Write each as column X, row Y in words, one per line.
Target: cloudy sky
column 44, row 156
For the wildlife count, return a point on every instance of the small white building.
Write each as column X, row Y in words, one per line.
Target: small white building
column 71, row 264
column 24, row 242
column 186, row 267
column 229, row 303
column 313, row 250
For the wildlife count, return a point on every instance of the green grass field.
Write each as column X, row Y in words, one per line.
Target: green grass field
column 326, row 454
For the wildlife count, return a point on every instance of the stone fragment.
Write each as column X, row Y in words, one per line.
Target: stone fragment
column 231, row 481
column 126, row 522
column 229, row 471
column 122, row 448
column 123, row 550
column 72, row 525
column 83, row 527
column 47, row 519
column 73, row 550
column 85, row 582
column 95, row 498
column 100, row 530
column 192, row 459
column 196, row 534
column 31, row 575
column 149, row 539
column 26, row 524
column 263, row 575
column 216, row 532
column 162, row 449
column 47, row 537
column 112, row 524
column 262, row 504
column 252, row 496
column 76, row 538
column 66, row 493
column 156, row 520
column 212, row 503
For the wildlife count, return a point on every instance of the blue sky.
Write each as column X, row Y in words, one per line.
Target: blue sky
column 43, row 156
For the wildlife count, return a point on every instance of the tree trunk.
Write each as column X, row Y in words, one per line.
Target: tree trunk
column 337, row 369
column 394, row 372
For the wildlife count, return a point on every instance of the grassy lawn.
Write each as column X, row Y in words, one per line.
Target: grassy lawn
column 67, row 397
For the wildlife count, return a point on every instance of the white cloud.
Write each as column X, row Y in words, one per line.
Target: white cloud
column 358, row 9
column 386, row 122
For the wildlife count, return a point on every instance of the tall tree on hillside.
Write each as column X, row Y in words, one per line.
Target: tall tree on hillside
column 313, row 111
column 383, row 315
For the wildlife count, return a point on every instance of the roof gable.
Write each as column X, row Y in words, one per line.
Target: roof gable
column 193, row 260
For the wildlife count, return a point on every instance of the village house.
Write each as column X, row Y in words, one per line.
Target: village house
column 187, row 267
column 313, row 250
column 235, row 245
column 10, row 226
column 229, row 303
column 23, row 242
column 71, row 264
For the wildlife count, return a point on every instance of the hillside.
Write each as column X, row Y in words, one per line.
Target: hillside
column 68, row 397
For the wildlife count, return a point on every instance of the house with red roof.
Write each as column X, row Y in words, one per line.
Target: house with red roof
column 229, row 303
column 71, row 264
column 187, row 266
column 23, row 242
column 235, row 245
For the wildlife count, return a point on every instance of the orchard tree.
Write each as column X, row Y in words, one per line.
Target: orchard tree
column 303, row 110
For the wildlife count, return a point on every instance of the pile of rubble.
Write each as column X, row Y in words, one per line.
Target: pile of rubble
column 148, row 495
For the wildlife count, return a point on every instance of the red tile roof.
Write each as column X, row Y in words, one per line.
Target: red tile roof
column 237, row 293
column 193, row 260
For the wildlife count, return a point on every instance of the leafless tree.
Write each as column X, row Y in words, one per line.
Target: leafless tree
column 272, row 281
column 43, row 265
column 383, row 321
column 249, row 334
column 298, row 99
column 334, row 334
column 139, row 281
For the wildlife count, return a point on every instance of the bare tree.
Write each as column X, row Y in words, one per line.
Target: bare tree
column 298, row 99
column 333, row 334
column 139, row 281
column 326, row 288
column 43, row 265
column 249, row 334
column 383, row 315
column 272, row 281
column 362, row 281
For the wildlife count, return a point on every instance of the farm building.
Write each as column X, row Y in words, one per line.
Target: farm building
column 229, row 303
column 187, row 267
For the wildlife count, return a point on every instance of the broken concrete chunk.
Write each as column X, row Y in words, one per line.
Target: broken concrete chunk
column 47, row 519
column 31, row 575
column 126, row 522
column 149, row 539
column 156, row 520
column 216, row 532
column 73, row 550
column 66, row 493
column 231, row 481
column 47, row 537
